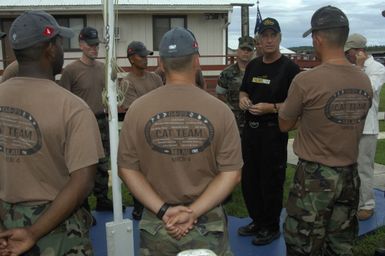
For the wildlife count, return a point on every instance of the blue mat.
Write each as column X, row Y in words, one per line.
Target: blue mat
column 241, row 246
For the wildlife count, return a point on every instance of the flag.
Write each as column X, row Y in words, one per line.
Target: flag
column 258, row 21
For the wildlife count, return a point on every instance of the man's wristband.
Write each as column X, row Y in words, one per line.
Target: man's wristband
column 162, row 211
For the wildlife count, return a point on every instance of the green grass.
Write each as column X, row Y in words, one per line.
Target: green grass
column 364, row 246
column 382, row 125
column 368, row 244
column 380, row 152
column 382, row 100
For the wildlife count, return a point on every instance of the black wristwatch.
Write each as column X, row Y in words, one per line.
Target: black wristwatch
column 162, row 211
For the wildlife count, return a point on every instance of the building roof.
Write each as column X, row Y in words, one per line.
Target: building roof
column 121, row 2
column 137, row 6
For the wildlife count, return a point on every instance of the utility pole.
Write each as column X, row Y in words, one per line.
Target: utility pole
column 245, row 20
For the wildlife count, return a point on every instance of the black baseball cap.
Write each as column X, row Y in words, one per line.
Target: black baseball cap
column 34, row 27
column 89, row 35
column 269, row 23
column 136, row 47
column 327, row 17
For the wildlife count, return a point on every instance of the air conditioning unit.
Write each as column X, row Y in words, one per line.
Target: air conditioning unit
column 117, row 33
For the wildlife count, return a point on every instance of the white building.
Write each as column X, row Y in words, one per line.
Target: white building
column 141, row 20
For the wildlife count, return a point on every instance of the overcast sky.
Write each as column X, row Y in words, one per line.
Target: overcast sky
column 294, row 17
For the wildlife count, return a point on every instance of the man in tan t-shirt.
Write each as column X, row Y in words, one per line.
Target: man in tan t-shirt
column 85, row 78
column 139, row 81
column 180, row 155
column 49, row 147
column 10, row 71
column 136, row 84
column 330, row 103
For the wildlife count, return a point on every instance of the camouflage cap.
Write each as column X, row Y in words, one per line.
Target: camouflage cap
column 246, row 42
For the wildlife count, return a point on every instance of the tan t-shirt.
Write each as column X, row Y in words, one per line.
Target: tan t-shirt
column 180, row 138
column 46, row 133
column 135, row 86
column 10, row 71
column 332, row 102
column 85, row 81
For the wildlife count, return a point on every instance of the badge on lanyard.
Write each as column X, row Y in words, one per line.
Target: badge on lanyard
column 260, row 80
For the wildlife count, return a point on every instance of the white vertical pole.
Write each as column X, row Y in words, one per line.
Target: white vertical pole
column 119, row 232
column 112, row 110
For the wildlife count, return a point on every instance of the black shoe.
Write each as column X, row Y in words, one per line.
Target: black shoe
column 106, row 205
column 93, row 220
column 248, row 230
column 379, row 252
column 266, row 237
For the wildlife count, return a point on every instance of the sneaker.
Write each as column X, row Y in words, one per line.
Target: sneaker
column 266, row 237
column 93, row 220
column 364, row 214
column 379, row 252
column 248, row 230
column 106, row 205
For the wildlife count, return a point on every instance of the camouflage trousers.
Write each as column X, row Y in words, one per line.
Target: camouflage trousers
column 70, row 238
column 101, row 178
column 240, row 118
column 321, row 210
column 209, row 233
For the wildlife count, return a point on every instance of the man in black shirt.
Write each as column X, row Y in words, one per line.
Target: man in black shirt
column 264, row 147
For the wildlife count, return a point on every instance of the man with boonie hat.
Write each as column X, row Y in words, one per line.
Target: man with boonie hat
column 180, row 155
column 50, row 144
column 355, row 51
column 85, row 78
column 264, row 147
column 230, row 79
column 328, row 104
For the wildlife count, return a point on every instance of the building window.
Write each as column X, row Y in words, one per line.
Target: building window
column 162, row 24
column 76, row 23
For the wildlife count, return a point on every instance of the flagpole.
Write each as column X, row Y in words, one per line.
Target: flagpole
column 258, row 20
column 119, row 232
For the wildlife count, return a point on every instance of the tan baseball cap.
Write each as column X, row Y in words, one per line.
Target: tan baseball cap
column 355, row 41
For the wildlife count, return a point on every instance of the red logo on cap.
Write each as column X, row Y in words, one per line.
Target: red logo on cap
column 195, row 44
column 48, row 31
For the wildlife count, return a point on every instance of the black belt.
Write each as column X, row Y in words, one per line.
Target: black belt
column 100, row 115
column 256, row 124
